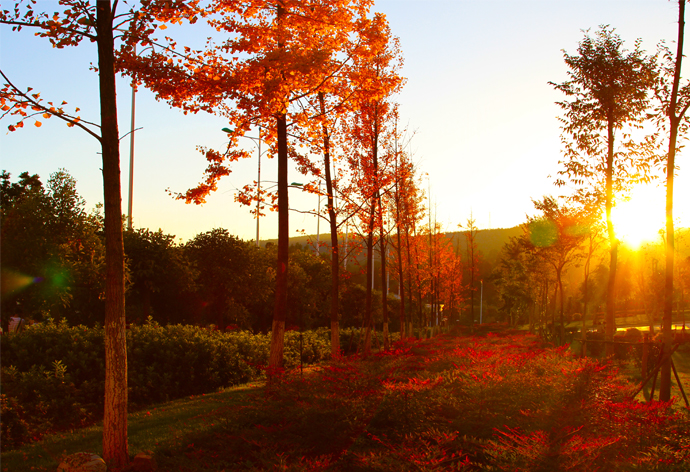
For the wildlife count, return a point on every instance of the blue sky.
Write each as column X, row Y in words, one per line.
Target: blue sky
column 477, row 98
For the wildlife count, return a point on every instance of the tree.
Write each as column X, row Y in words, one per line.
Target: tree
column 345, row 94
column 472, row 263
column 51, row 250
column 224, row 265
column 591, row 219
column 674, row 102
column 513, row 279
column 555, row 236
column 367, row 128
column 161, row 277
column 97, row 23
column 608, row 92
column 277, row 53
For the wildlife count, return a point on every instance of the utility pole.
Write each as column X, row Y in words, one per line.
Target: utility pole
column 131, row 157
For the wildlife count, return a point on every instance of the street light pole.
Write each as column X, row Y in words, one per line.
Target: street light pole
column 318, row 220
column 257, row 143
column 481, row 300
column 258, row 191
column 131, row 158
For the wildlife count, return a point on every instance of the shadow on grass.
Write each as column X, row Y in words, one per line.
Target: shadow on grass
column 147, row 429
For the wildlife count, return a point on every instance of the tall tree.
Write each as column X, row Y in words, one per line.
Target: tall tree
column 99, row 23
column 51, row 248
column 368, row 128
column 556, row 236
column 608, row 93
column 472, row 263
column 278, row 52
column 675, row 102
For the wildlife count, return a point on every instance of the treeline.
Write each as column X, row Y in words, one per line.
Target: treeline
column 53, row 268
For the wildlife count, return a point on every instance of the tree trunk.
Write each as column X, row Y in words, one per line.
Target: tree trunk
column 611, row 292
column 115, row 448
column 583, row 350
column 401, row 282
column 665, row 381
column 370, row 271
column 275, row 360
column 384, row 285
column 335, row 248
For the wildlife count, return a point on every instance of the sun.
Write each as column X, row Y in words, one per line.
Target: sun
column 638, row 219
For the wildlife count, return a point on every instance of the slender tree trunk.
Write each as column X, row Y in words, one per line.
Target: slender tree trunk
column 665, row 381
column 398, row 249
column 586, row 299
column 335, row 247
column 384, row 285
column 370, row 271
column 280, row 310
column 115, row 448
column 611, row 292
column 410, row 331
column 401, row 285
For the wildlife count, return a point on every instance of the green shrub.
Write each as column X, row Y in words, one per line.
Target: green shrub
column 37, row 401
column 164, row 363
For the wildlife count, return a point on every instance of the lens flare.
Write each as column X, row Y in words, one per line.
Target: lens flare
column 14, row 281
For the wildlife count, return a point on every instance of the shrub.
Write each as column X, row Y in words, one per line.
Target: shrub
column 53, row 374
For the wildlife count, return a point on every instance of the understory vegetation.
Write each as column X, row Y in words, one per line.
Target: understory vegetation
column 503, row 400
column 53, row 375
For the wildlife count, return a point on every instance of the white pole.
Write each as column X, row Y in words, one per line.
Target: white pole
column 318, row 220
column 258, row 191
column 481, row 301
column 347, row 228
column 131, row 158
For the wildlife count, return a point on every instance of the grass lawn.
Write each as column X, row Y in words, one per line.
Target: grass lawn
column 496, row 401
column 147, row 429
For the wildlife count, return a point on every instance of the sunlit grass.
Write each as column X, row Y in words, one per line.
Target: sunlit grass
column 147, row 430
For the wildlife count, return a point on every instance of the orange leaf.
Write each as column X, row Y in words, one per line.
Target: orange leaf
column 46, row 115
column 11, row 128
column 38, row 124
column 163, row 27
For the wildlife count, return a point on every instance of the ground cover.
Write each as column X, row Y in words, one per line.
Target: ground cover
column 495, row 401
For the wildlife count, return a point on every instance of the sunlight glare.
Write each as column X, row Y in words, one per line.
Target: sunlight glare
column 638, row 219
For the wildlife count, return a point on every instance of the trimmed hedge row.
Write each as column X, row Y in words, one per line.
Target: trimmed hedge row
column 53, row 374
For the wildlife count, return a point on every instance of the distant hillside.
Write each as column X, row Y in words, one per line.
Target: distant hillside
column 489, row 241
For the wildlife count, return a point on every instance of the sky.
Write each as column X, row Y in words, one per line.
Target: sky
column 477, row 98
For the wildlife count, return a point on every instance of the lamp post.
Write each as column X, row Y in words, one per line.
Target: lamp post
column 481, row 300
column 257, row 143
column 131, row 157
column 318, row 220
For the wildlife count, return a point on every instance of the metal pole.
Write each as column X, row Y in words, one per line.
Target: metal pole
column 131, row 157
column 318, row 220
column 258, row 191
column 347, row 229
column 481, row 300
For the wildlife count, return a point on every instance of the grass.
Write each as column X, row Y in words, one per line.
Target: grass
column 495, row 401
column 147, row 429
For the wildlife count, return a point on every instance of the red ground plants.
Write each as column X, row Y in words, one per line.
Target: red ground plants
column 491, row 402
